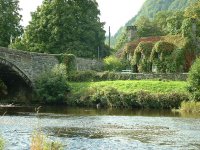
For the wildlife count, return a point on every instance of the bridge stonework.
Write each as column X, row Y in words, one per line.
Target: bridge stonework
column 28, row 65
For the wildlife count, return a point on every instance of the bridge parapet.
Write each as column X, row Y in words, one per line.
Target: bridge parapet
column 30, row 63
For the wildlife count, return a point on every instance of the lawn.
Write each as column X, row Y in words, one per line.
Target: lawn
column 133, row 86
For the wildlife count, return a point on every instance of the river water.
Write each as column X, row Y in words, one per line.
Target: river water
column 91, row 129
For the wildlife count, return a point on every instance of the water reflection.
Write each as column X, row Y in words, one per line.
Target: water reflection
column 91, row 112
column 101, row 129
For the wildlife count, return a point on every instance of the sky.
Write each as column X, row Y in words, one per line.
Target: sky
column 115, row 13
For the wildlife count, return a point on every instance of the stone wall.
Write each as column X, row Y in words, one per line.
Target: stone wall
column 161, row 76
column 88, row 64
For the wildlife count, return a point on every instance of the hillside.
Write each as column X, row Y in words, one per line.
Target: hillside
column 149, row 9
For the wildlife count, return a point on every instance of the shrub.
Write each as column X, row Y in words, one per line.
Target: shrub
column 40, row 142
column 190, row 107
column 194, row 80
column 1, row 144
column 110, row 97
column 69, row 60
column 81, row 76
column 113, row 63
column 52, row 86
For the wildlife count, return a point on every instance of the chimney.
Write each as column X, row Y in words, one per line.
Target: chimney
column 132, row 32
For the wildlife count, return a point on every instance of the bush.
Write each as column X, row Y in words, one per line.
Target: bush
column 40, row 142
column 110, row 97
column 52, row 87
column 190, row 107
column 113, row 63
column 194, row 80
column 83, row 76
column 1, row 144
column 69, row 60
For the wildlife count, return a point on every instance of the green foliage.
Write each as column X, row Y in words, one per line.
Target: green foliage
column 1, row 143
column 52, row 87
column 40, row 142
column 146, row 27
column 193, row 11
column 121, row 40
column 80, row 76
column 112, row 63
column 161, row 56
column 167, row 21
column 141, row 56
column 194, row 80
column 132, row 86
column 111, row 97
column 190, row 107
column 10, row 18
column 187, row 28
column 174, row 23
column 69, row 60
column 60, row 26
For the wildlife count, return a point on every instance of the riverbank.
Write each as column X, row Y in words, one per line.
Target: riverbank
column 121, row 94
column 129, row 94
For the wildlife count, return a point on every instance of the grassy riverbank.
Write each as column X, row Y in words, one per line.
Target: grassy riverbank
column 133, row 86
column 140, row 93
column 190, row 107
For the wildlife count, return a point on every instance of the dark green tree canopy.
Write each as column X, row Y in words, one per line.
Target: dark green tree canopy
column 60, row 26
column 9, row 21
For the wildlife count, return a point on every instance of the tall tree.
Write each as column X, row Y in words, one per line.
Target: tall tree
column 9, row 21
column 60, row 26
column 146, row 27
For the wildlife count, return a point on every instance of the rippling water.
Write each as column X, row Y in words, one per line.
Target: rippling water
column 90, row 129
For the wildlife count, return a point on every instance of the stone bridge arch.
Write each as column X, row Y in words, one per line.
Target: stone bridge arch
column 14, row 70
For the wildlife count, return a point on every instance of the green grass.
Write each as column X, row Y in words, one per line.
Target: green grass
column 133, row 86
column 190, row 107
column 1, row 143
column 40, row 142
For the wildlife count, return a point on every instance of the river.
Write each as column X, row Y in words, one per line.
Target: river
column 92, row 129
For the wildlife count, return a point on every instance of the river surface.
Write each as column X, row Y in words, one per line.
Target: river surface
column 91, row 129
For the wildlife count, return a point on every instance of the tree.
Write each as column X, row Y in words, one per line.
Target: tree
column 194, row 80
column 52, row 87
column 113, row 63
column 161, row 20
column 145, row 27
column 9, row 21
column 60, row 26
column 193, row 11
column 174, row 22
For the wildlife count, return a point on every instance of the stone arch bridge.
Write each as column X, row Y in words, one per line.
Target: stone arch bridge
column 26, row 66
column 22, row 66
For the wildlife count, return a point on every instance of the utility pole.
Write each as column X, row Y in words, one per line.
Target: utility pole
column 109, row 37
column 98, row 52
